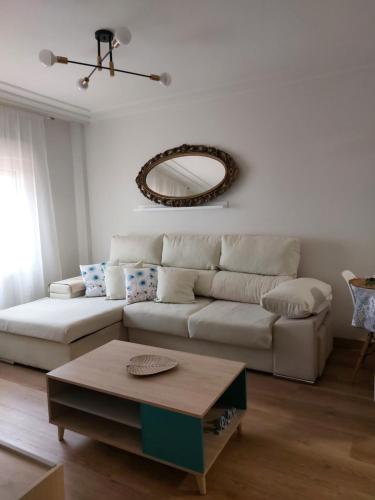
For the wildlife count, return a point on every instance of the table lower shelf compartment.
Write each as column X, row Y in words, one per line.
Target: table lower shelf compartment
column 214, row 443
column 130, row 439
column 101, row 429
column 120, row 410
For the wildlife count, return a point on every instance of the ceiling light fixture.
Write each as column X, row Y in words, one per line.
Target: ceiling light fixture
column 122, row 36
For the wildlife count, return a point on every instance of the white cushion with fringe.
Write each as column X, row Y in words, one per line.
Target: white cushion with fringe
column 175, row 286
column 204, row 281
column 115, row 280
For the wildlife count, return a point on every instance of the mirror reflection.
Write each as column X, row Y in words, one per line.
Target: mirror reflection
column 183, row 176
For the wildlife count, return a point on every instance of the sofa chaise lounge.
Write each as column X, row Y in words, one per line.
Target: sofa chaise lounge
column 226, row 319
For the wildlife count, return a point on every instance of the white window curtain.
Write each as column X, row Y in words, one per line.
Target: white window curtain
column 29, row 255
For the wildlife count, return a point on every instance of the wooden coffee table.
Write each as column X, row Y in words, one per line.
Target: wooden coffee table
column 166, row 417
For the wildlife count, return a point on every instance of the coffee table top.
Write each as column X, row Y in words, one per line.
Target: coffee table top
column 192, row 388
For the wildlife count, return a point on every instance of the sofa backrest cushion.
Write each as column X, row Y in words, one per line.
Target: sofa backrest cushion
column 266, row 255
column 191, row 251
column 243, row 287
column 134, row 247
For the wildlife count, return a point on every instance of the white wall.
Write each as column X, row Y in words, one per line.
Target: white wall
column 60, row 163
column 306, row 151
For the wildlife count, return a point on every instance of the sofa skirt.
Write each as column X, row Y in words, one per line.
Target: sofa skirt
column 260, row 359
column 299, row 351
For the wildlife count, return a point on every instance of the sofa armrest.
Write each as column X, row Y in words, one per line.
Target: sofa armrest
column 67, row 289
column 302, row 346
column 297, row 298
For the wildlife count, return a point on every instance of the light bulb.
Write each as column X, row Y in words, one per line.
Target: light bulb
column 83, row 83
column 165, row 79
column 47, row 57
column 122, row 36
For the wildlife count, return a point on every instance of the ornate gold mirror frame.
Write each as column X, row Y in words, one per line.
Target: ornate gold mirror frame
column 231, row 173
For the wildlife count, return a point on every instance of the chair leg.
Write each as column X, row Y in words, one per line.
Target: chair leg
column 362, row 355
column 371, row 347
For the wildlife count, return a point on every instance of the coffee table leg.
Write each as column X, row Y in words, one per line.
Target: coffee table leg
column 201, row 482
column 60, row 432
column 239, row 428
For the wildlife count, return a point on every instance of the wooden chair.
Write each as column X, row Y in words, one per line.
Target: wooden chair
column 367, row 347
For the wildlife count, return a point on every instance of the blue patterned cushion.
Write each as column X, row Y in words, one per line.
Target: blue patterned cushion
column 141, row 284
column 93, row 278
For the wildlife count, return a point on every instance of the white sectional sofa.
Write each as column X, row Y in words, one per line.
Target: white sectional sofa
column 226, row 320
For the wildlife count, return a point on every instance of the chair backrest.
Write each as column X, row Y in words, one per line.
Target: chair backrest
column 348, row 275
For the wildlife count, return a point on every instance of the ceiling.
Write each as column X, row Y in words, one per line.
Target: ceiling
column 204, row 44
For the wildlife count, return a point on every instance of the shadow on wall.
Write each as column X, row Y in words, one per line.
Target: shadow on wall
column 325, row 259
column 318, row 296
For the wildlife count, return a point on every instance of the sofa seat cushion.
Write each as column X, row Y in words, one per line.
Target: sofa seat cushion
column 161, row 317
column 61, row 320
column 233, row 323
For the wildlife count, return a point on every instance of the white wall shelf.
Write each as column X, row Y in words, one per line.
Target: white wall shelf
column 158, row 208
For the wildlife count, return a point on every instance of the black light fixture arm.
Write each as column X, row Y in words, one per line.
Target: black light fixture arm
column 100, row 60
column 99, row 57
column 96, row 66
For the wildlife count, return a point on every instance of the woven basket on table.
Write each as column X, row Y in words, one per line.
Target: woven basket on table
column 150, row 364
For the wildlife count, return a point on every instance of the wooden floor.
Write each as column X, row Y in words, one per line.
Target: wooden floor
column 299, row 442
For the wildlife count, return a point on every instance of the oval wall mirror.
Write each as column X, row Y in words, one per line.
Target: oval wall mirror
column 186, row 176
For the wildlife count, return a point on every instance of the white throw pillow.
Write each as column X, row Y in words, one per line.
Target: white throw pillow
column 297, row 298
column 115, row 279
column 175, row 286
column 204, row 281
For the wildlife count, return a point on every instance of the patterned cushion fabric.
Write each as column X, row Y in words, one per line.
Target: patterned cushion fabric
column 141, row 284
column 93, row 278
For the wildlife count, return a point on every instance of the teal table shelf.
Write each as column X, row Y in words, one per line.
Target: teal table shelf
column 179, row 439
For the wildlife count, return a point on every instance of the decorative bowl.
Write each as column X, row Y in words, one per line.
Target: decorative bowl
column 150, row 364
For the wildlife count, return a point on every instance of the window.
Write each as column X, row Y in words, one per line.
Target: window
column 29, row 257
